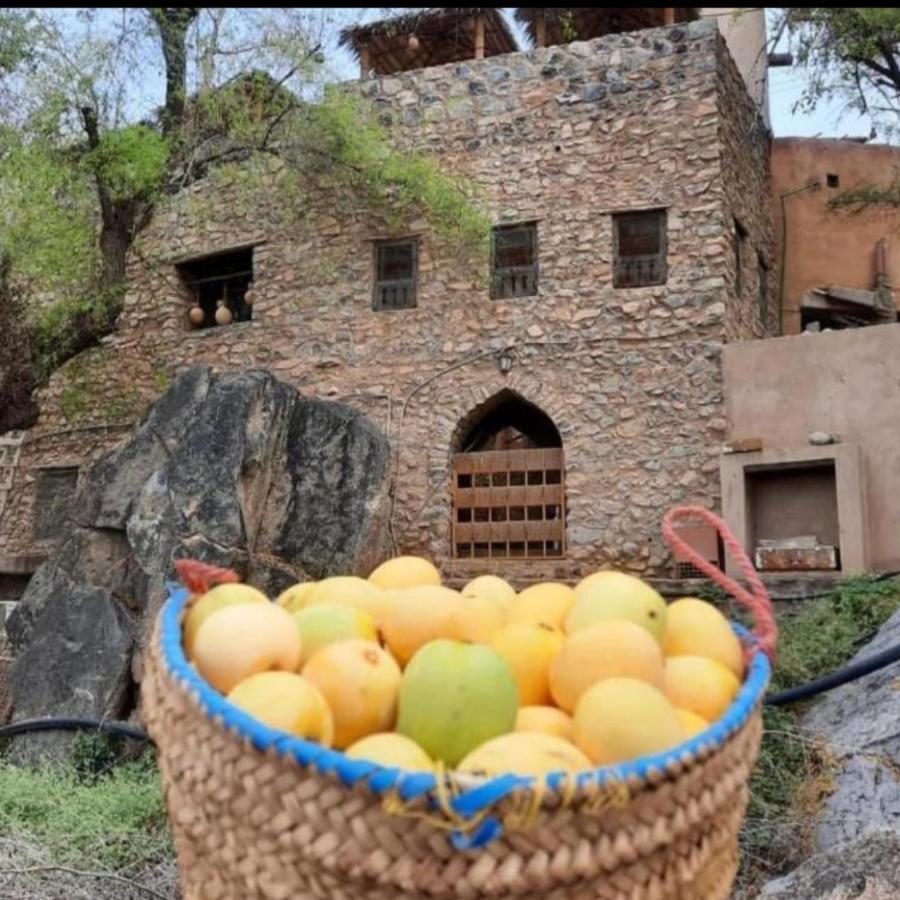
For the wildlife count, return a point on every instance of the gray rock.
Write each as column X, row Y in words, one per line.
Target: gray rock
column 236, row 470
column 866, row 869
column 860, row 725
column 867, row 796
column 77, row 664
column 864, row 715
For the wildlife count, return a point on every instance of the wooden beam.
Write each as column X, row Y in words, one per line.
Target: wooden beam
column 540, row 30
column 669, row 15
column 365, row 62
column 479, row 36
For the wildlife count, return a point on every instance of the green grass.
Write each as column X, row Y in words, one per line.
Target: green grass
column 793, row 772
column 115, row 820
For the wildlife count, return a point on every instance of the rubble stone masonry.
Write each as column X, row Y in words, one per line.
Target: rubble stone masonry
column 564, row 136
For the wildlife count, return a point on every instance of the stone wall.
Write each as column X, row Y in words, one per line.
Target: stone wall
column 564, row 136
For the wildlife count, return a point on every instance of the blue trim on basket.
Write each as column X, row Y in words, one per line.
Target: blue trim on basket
column 411, row 785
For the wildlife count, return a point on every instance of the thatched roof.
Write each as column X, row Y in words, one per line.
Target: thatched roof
column 444, row 35
column 576, row 23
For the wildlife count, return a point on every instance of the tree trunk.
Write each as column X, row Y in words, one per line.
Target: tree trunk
column 173, row 24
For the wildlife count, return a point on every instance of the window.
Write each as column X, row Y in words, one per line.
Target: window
column 514, row 270
column 762, row 275
column 639, row 249
column 832, row 180
column 395, row 275
column 54, row 493
column 740, row 235
column 220, row 286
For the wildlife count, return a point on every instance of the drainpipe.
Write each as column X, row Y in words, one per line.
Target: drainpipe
column 812, row 186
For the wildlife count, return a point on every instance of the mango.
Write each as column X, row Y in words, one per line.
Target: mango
column 455, row 697
column 546, row 720
column 529, row 650
column 240, row 641
column 546, row 603
column 493, row 588
column 294, row 598
column 405, row 572
column 393, row 751
column 415, row 616
column 474, row 619
column 696, row 628
column 361, row 683
column 327, row 623
column 219, row 597
column 605, row 650
column 617, row 596
column 288, row 702
column 702, row 685
column 621, row 719
column 347, row 590
column 692, row 723
column 525, row 753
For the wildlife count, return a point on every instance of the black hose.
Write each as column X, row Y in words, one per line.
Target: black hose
column 117, row 728
column 782, row 698
column 835, row 679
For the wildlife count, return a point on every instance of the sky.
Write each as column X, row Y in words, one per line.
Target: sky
column 785, row 84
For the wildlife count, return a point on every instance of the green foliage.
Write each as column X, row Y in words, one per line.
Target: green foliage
column 162, row 380
column 47, row 217
column 866, row 197
column 353, row 147
column 66, row 326
column 850, row 53
column 114, row 820
column 824, row 636
column 132, row 162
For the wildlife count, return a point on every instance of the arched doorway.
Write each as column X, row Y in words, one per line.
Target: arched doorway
column 508, row 482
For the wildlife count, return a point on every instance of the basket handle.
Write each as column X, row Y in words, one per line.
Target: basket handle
column 198, row 576
column 756, row 600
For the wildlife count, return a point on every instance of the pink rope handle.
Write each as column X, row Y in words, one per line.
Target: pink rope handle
column 198, row 576
column 757, row 599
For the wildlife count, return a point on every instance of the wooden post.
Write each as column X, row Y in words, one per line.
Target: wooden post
column 365, row 65
column 479, row 36
column 540, row 29
column 669, row 15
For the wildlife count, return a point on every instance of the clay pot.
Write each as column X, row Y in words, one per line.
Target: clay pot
column 249, row 298
column 196, row 316
column 413, row 43
column 223, row 315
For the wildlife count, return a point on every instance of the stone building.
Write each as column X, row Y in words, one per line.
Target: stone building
column 546, row 406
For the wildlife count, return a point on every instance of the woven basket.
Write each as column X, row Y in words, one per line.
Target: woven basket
column 258, row 814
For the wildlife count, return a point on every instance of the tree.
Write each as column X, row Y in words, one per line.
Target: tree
column 88, row 148
column 851, row 54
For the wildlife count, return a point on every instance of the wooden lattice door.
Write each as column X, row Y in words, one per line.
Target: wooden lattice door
column 509, row 504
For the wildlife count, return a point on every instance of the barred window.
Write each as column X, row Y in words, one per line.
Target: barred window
column 395, row 274
column 514, row 268
column 762, row 274
column 640, row 249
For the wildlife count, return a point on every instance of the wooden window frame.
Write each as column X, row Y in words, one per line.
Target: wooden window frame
column 622, row 278
column 500, row 284
column 509, row 504
column 379, row 300
column 235, row 285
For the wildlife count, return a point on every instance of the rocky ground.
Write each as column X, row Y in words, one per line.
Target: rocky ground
column 856, row 832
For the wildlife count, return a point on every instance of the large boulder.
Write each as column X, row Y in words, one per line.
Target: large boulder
column 864, row 869
column 859, row 724
column 234, row 469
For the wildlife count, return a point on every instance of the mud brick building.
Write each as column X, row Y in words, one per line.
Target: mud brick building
column 545, row 406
